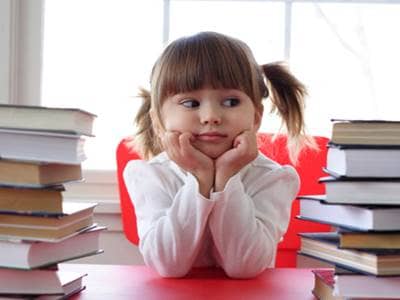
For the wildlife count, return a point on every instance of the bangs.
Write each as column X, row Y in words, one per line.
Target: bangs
column 205, row 60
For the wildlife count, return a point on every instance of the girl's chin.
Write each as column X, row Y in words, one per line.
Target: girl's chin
column 212, row 153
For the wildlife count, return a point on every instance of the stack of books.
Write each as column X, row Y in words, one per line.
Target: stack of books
column 362, row 201
column 41, row 149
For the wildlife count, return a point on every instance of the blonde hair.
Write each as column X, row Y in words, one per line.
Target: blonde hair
column 216, row 60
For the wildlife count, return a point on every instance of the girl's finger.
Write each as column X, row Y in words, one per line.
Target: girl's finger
column 171, row 144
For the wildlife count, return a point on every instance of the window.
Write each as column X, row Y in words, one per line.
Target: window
column 346, row 54
column 96, row 54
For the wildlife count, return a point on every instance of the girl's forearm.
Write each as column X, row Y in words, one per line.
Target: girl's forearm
column 205, row 179
column 244, row 244
column 171, row 241
column 222, row 177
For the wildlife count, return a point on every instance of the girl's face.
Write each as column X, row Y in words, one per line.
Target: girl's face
column 214, row 117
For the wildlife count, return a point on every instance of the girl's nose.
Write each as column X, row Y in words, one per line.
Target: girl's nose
column 210, row 116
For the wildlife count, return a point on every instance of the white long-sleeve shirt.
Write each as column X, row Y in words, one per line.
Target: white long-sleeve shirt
column 237, row 229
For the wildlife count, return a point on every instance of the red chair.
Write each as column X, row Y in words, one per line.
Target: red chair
column 309, row 167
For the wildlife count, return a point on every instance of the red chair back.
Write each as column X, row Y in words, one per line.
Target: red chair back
column 309, row 167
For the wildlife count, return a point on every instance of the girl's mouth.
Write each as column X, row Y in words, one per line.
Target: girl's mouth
column 211, row 136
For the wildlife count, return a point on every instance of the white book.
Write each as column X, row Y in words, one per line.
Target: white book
column 373, row 191
column 362, row 218
column 41, row 146
column 363, row 162
column 29, row 254
column 38, row 282
column 72, row 283
column 68, row 120
column 366, row 286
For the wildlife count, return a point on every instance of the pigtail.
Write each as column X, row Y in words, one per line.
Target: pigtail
column 287, row 95
column 146, row 140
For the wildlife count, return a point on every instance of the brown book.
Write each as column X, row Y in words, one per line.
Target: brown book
column 369, row 240
column 47, row 226
column 324, row 246
column 366, row 132
column 31, row 199
column 38, row 174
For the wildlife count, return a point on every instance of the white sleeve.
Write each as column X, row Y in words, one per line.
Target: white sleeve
column 248, row 222
column 171, row 217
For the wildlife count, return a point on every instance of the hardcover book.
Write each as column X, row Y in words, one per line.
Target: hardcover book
column 20, row 254
column 375, row 191
column 366, row 132
column 31, row 199
column 324, row 246
column 46, row 226
column 368, row 240
column 47, row 282
column 366, row 287
column 363, row 162
column 72, row 283
column 67, row 120
column 38, row 174
column 354, row 217
column 54, row 147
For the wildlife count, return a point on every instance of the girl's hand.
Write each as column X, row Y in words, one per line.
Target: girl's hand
column 232, row 161
column 179, row 149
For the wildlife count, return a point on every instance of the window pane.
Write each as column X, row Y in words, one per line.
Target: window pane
column 258, row 23
column 96, row 54
column 347, row 54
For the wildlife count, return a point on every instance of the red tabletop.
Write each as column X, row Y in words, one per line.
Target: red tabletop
column 139, row 282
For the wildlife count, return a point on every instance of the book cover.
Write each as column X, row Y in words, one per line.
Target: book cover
column 366, row 286
column 22, row 198
column 75, row 216
column 368, row 240
column 362, row 190
column 38, row 174
column 324, row 246
column 363, row 162
column 36, row 282
column 353, row 217
column 22, row 254
column 51, row 147
column 72, row 283
column 366, row 132
column 41, row 118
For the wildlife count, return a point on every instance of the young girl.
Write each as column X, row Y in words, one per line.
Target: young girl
column 206, row 196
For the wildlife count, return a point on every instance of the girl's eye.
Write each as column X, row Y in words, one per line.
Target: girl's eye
column 190, row 103
column 231, row 102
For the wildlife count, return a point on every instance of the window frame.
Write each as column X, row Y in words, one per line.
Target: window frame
column 21, row 58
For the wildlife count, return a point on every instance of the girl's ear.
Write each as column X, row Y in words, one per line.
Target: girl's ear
column 258, row 114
